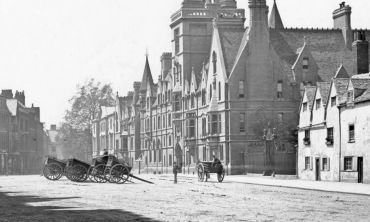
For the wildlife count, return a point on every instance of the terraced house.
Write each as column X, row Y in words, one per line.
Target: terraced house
column 231, row 88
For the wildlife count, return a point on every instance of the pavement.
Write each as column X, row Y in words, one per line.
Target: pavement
column 338, row 187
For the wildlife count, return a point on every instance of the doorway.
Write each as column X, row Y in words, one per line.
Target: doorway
column 360, row 169
column 317, row 171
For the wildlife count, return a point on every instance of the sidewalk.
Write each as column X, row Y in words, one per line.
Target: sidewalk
column 338, row 187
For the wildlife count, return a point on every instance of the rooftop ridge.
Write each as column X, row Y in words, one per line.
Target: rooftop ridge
column 309, row 29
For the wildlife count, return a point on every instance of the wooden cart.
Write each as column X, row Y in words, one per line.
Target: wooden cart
column 77, row 170
column 54, row 168
column 204, row 169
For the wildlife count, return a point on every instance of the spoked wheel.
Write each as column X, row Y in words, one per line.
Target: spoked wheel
column 80, row 173
column 69, row 172
column 107, row 175
column 53, row 171
column 90, row 177
column 201, row 173
column 119, row 174
column 221, row 175
column 98, row 173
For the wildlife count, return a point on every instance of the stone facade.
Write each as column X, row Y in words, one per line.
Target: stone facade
column 334, row 124
column 229, row 90
column 21, row 135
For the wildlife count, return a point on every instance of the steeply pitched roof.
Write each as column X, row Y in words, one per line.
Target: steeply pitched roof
column 147, row 79
column 341, row 73
column 341, row 88
column 12, row 105
column 324, row 88
column 310, row 92
column 230, row 39
column 275, row 21
column 326, row 46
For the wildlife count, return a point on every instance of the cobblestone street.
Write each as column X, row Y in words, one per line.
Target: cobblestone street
column 33, row 198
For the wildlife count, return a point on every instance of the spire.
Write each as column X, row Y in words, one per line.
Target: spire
column 147, row 76
column 275, row 21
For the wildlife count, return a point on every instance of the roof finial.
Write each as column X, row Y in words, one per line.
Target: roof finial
column 146, row 52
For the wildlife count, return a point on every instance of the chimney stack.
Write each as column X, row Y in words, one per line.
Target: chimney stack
column 166, row 61
column 20, row 97
column 360, row 51
column 342, row 20
column 7, row 93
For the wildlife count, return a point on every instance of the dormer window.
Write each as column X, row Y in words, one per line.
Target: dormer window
column 305, row 63
column 333, row 101
column 318, row 103
column 349, row 96
column 304, row 106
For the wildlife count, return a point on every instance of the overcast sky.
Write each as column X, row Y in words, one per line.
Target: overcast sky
column 47, row 47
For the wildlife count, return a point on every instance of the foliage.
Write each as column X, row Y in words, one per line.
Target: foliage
column 75, row 132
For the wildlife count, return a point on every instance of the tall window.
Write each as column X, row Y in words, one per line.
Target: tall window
column 219, row 123
column 191, row 128
column 177, row 102
column 210, row 92
column 169, row 120
column 177, row 40
column 219, row 90
column 307, row 134
column 351, row 132
column 307, row 163
column 241, row 89
column 330, row 134
column 280, row 89
column 305, row 62
column 192, row 101
column 214, row 61
column 169, row 140
column 213, row 124
column 333, row 101
column 204, row 154
column 159, row 122
column 318, row 103
column 203, row 97
column 347, row 163
column 325, row 164
column 204, row 126
column 242, row 122
column 280, row 118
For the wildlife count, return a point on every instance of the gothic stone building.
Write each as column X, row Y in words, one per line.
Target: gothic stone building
column 21, row 135
column 230, row 88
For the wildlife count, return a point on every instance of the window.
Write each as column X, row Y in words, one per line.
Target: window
column 305, row 63
column 325, row 164
column 177, row 40
column 221, row 152
column 192, row 101
column 330, row 135
column 214, row 124
column 191, row 128
column 351, row 132
column 241, row 89
column 214, row 61
column 307, row 134
column 204, row 127
column 159, row 123
column 203, row 97
column 307, row 163
column 177, row 102
column 347, row 163
column 304, row 106
column 204, row 154
column 169, row 120
column 169, row 140
column 210, row 92
column 242, row 122
column 318, row 103
column 280, row 118
column 280, row 89
column 333, row 101
column 164, row 121
column 349, row 96
column 117, row 144
column 219, row 90
column 170, row 160
column 219, row 123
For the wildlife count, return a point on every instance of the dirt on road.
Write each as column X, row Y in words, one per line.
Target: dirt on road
column 33, row 198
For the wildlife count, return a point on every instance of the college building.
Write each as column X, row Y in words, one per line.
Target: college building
column 230, row 88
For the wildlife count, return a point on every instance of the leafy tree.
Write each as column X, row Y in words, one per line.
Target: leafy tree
column 75, row 131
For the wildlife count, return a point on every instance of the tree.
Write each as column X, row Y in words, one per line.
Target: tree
column 75, row 131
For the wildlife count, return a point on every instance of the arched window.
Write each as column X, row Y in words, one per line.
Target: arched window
column 219, row 90
column 214, row 61
column 210, row 92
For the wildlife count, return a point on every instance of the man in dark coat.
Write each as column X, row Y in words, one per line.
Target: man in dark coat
column 175, row 170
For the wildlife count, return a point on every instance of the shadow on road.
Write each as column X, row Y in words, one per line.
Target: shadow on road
column 18, row 208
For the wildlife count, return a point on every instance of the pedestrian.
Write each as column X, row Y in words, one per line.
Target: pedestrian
column 175, row 168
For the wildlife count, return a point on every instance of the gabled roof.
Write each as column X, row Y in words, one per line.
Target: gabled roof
column 275, row 21
column 147, row 80
column 230, row 39
column 310, row 93
column 12, row 105
column 327, row 48
column 324, row 88
column 204, row 79
column 341, row 73
column 107, row 111
column 341, row 88
column 361, row 85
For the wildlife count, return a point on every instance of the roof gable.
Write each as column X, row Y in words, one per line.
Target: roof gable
column 341, row 73
column 147, row 80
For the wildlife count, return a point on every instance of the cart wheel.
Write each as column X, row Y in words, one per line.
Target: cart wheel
column 221, row 176
column 90, row 177
column 98, row 173
column 119, row 174
column 80, row 172
column 200, row 172
column 53, row 171
column 107, row 175
column 69, row 172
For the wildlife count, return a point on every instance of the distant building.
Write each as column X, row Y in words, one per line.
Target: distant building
column 21, row 135
column 334, row 130
column 229, row 90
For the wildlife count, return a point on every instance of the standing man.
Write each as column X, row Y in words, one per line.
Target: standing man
column 175, row 172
